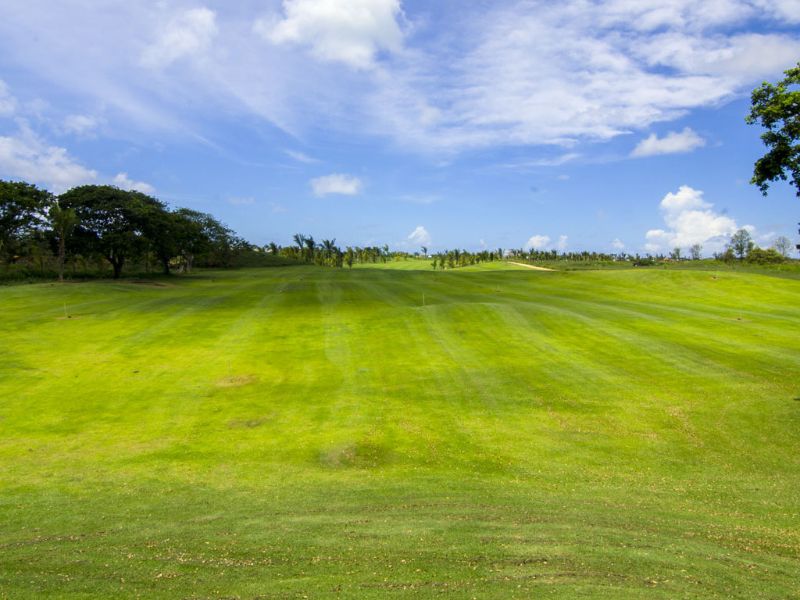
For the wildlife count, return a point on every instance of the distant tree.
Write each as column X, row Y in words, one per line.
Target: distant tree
column 62, row 222
column 675, row 254
column 349, row 257
column 198, row 234
column 22, row 210
column 696, row 251
column 741, row 243
column 310, row 249
column 777, row 109
column 783, row 245
column 424, row 251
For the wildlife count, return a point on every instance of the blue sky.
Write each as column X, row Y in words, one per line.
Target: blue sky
column 573, row 125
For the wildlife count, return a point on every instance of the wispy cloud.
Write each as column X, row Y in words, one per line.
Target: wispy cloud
column 8, row 103
column 526, row 73
column 187, row 34
column 241, row 200
column 301, row 157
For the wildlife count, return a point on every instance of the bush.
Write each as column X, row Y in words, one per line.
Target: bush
column 760, row 256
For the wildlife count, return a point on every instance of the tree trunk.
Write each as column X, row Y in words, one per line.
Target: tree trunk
column 165, row 263
column 116, row 264
column 62, row 251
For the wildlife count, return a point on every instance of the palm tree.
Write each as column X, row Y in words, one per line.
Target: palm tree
column 310, row 248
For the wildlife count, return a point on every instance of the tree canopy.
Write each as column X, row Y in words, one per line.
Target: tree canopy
column 776, row 107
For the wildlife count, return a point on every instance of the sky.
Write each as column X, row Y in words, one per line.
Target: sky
column 577, row 125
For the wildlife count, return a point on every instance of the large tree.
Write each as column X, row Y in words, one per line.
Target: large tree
column 113, row 223
column 776, row 107
column 22, row 210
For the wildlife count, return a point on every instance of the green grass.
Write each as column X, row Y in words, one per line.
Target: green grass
column 307, row 432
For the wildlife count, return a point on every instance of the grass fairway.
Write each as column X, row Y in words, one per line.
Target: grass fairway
column 305, row 432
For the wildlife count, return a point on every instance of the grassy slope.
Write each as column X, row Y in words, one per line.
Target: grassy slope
column 302, row 431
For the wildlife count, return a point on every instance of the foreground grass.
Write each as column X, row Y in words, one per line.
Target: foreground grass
column 295, row 432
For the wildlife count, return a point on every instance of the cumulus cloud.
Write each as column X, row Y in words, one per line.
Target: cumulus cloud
column 123, row 182
column 672, row 143
column 690, row 220
column 337, row 183
column 27, row 157
column 347, row 31
column 617, row 244
column 187, row 34
column 562, row 242
column 419, row 237
column 537, row 242
column 8, row 103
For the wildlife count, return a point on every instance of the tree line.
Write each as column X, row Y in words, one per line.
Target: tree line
column 101, row 224
column 327, row 254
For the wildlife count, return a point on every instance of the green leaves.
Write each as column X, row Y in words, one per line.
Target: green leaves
column 777, row 109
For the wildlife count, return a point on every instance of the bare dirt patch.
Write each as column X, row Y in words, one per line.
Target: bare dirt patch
column 246, row 423
column 534, row 267
column 236, row 381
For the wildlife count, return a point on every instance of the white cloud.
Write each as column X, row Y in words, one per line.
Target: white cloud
column 617, row 244
column 187, row 34
column 419, row 237
column 29, row 158
column 526, row 72
column 337, row 183
column 544, row 162
column 537, row 242
column 81, row 125
column 8, row 103
column 672, row 143
column 347, row 31
column 300, row 157
column 690, row 220
column 123, row 182
column 562, row 242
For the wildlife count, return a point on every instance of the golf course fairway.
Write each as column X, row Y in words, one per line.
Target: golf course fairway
column 486, row 432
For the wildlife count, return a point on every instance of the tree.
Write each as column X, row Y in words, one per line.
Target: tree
column 777, row 109
column 424, row 251
column 62, row 222
column 783, row 245
column 675, row 254
column 741, row 243
column 696, row 251
column 22, row 208
column 349, row 257
column 110, row 222
column 759, row 256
